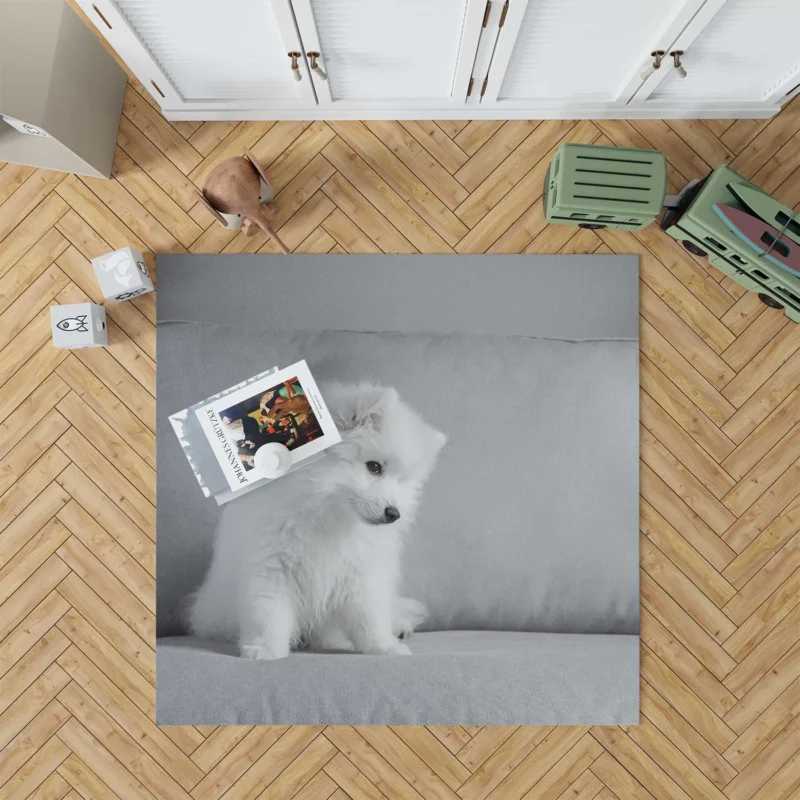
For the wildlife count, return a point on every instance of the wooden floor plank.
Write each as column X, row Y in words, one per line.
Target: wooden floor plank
column 113, row 520
column 715, row 730
column 692, row 635
column 765, row 691
column 25, row 199
column 684, row 375
column 79, row 450
column 476, row 133
column 150, row 159
column 347, row 198
column 437, row 143
column 503, row 761
column 702, row 140
column 500, row 181
column 684, row 592
column 759, row 405
column 81, row 597
column 153, row 198
column 290, row 160
column 31, row 629
column 12, row 176
column 493, row 152
column 758, row 587
column 767, row 508
column 119, row 743
column 672, row 400
column 617, row 780
column 764, row 436
column 567, row 770
column 99, row 542
column 37, row 697
column 115, row 780
column 512, row 196
column 30, row 267
column 227, row 772
column 685, row 665
column 26, row 237
column 659, row 713
column 159, row 131
column 394, row 191
column 419, row 161
column 764, row 729
column 685, row 449
column 764, row 619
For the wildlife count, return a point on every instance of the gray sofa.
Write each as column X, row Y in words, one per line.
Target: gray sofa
column 526, row 547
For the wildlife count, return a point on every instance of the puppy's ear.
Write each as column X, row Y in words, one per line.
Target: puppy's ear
column 359, row 406
column 373, row 403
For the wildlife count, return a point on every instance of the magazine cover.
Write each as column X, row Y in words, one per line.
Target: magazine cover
column 284, row 406
column 197, row 448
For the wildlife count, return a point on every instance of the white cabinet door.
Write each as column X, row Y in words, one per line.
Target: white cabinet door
column 208, row 54
column 735, row 51
column 390, row 54
column 560, row 54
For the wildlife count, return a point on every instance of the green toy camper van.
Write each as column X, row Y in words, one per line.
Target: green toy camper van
column 605, row 187
column 702, row 232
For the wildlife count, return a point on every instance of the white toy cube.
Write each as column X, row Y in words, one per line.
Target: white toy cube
column 25, row 127
column 122, row 274
column 79, row 325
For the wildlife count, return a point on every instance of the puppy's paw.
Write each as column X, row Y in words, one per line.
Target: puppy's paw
column 259, row 652
column 409, row 616
column 394, row 648
column 399, row 649
column 403, row 628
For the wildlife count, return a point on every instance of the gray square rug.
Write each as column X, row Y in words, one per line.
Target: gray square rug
column 526, row 546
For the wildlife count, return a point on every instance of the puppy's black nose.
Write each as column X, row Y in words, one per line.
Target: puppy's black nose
column 391, row 514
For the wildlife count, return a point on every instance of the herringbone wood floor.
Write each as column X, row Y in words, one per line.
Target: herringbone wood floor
column 720, row 467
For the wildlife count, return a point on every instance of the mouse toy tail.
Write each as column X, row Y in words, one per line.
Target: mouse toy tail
column 267, row 228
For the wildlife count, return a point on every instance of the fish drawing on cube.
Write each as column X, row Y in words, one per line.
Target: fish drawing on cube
column 122, row 275
column 79, row 325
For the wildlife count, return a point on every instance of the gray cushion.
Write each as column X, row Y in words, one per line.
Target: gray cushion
column 530, row 525
column 452, row 678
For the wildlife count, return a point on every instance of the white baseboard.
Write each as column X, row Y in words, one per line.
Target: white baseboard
column 651, row 111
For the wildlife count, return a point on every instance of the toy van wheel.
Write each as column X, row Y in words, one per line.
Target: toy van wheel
column 769, row 301
column 693, row 248
column 592, row 226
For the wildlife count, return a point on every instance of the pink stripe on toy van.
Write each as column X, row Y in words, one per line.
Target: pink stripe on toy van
column 767, row 241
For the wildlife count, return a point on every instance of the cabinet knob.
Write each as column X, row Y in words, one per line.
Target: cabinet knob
column 315, row 68
column 657, row 56
column 295, row 65
column 676, row 58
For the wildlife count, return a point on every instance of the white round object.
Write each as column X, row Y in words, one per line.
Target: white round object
column 272, row 460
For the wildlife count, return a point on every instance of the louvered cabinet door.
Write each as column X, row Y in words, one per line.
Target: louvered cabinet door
column 390, row 54
column 557, row 54
column 735, row 51
column 226, row 55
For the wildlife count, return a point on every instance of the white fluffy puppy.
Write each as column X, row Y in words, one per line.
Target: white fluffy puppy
column 315, row 557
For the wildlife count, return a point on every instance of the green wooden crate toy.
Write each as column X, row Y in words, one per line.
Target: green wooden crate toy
column 605, row 187
column 744, row 232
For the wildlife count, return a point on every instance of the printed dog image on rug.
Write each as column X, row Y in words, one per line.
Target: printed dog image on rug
column 314, row 571
column 461, row 546
column 281, row 414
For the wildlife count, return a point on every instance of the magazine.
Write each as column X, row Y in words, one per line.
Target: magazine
column 282, row 406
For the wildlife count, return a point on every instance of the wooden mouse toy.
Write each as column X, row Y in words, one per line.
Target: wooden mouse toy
column 234, row 194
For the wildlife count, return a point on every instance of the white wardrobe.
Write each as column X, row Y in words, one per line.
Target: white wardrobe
column 407, row 59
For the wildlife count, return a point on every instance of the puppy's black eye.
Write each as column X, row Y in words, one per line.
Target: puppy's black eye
column 374, row 467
